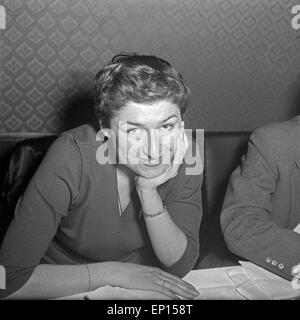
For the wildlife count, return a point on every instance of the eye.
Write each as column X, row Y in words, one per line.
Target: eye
column 134, row 131
column 167, row 127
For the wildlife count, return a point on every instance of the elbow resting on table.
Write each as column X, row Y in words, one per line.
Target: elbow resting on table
column 232, row 232
column 187, row 261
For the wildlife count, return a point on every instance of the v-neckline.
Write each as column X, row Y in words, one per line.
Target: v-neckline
column 132, row 194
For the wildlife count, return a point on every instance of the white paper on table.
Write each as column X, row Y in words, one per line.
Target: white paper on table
column 219, row 293
column 297, row 229
column 273, row 285
column 210, row 278
column 226, row 283
column 215, row 284
column 247, row 281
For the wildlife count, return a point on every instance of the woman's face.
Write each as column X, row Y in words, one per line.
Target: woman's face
column 146, row 136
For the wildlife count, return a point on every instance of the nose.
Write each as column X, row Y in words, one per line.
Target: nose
column 152, row 146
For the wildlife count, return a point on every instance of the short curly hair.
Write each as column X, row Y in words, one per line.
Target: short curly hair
column 132, row 77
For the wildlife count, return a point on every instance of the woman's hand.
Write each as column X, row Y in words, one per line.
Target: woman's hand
column 172, row 169
column 140, row 277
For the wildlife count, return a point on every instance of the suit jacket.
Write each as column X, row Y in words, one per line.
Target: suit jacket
column 262, row 203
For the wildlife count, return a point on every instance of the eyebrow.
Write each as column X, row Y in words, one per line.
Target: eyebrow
column 141, row 124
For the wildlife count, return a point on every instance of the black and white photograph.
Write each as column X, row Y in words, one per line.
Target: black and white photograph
column 150, row 151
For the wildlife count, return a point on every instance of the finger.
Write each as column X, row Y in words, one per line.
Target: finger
column 176, row 289
column 160, row 287
column 171, row 172
column 178, row 280
column 183, row 290
column 172, row 285
column 184, row 284
column 168, row 294
column 164, row 176
column 180, row 149
column 177, row 159
column 186, row 142
column 167, row 174
column 174, row 171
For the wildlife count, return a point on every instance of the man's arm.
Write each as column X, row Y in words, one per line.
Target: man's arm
column 246, row 220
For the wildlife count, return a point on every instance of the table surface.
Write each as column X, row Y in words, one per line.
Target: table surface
column 246, row 281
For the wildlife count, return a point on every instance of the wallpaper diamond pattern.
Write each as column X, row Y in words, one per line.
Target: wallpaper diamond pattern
column 240, row 57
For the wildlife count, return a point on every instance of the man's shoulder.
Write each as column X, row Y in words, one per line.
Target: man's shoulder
column 279, row 132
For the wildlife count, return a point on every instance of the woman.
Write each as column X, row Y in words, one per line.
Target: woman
column 134, row 222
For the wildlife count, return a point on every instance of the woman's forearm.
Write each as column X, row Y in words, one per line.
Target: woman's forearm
column 52, row 281
column 168, row 240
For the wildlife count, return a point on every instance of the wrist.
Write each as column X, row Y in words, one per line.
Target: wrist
column 156, row 214
column 151, row 203
column 145, row 193
column 102, row 273
column 146, row 190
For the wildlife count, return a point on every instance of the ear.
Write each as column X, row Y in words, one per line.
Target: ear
column 100, row 136
column 105, row 132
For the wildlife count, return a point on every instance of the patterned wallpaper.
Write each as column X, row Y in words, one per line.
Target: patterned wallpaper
column 241, row 58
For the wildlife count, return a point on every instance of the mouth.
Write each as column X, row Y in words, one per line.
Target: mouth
column 153, row 163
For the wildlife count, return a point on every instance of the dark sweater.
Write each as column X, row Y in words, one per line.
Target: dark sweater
column 69, row 214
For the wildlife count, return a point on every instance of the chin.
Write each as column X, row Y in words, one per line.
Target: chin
column 149, row 172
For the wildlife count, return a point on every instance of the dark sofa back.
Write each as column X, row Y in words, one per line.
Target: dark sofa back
column 23, row 161
column 222, row 154
column 223, row 151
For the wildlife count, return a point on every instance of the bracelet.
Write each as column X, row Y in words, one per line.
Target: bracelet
column 162, row 210
column 89, row 274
